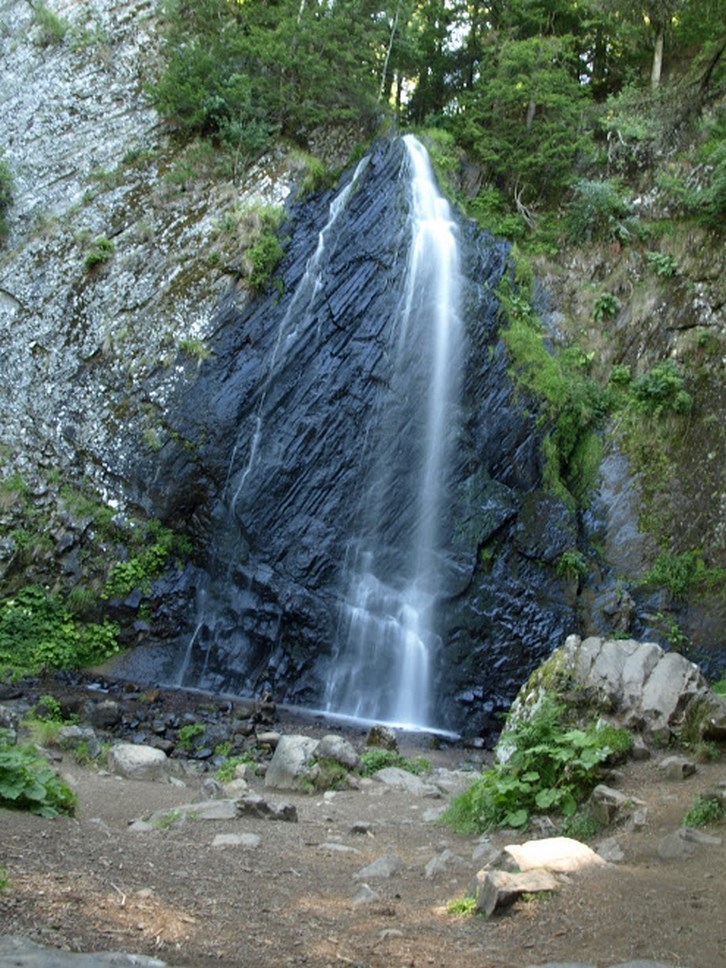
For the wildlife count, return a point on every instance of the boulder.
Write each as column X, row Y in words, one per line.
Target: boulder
column 677, row 767
column 337, row 748
column 394, row 776
column 660, row 693
column 383, row 867
column 499, row 889
column 561, row 855
column 607, row 805
column 383, row 738
column 289, row 766
column 137, row 762
column 443, row 863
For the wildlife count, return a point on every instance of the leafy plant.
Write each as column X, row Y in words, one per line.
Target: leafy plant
column 4, row 879
column 195, row 348
column 704, row 811
column 661, row 391
column 572, row 564
column 262, row 258
column 599, row 210
column 683, row 572
column 662, row 263
column 551, row 767
column 140, row 569
column 375, row 759
column 226, row 770
column 719, row 687
column 606, row 306
column 461, row 905
column 28, row 783
column 37, row 630
column 188, row 733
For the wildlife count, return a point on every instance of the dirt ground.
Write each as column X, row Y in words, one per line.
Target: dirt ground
column 90, row 883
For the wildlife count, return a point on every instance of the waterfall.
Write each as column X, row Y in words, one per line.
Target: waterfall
column 386, row 654
column 295, row 324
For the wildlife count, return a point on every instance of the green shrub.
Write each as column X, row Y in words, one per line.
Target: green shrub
column 571, row 564
column 188, row 733
column 195, row 348
column 37, row 630
column 599, row 210
column 705, row 810
column 661, row 391
column 141, row 569
column 375, row 759
column 53, row 28
column 662, row 263
column 461, row 905
column 552, row 768
column 606, row 306
column 719, row 687
column 4, row 879
column 226, row 770
column 101, row 251
column 684, row 572
column 28, row 783
column 263, row 258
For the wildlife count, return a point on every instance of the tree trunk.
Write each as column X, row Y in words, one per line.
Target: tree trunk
column 657, row 56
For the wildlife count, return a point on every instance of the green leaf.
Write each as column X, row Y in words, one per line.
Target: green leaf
column 547, row 798
column 516, row 818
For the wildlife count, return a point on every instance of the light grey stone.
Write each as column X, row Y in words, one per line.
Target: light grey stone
column 383, row 867
column 290, row 763
column 333, row 847
column 394, row 776
column 18, row 952
column 136, row 762
column 607, row 804
column 443, row 863
column 499, row 889
column 677, row 767
column 247, row 841
column 485, row 853
column 610, row 851
column 364, row 895
column 337, row 748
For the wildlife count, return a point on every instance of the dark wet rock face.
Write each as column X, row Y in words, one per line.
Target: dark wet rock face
column 270, row 456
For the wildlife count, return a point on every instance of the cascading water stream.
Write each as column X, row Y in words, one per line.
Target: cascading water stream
column 295, row 323
column 387, row 647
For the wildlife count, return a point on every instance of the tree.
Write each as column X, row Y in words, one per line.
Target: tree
column 522, row 117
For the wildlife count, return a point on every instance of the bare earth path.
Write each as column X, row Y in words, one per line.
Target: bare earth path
column 92, row 884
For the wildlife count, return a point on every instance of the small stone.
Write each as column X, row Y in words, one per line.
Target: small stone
column 361, row 827
column 677, row 767
column 610, row 851
column 383, row 738
column 257, row 806
column 444, row 862
column 335, row 848
column 364, row 895
column 248, row 841
column 384, row 867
